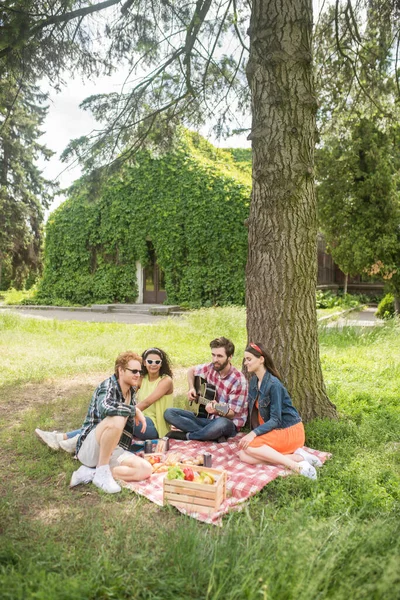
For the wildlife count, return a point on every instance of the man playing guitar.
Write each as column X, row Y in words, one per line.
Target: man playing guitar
column 231, row 399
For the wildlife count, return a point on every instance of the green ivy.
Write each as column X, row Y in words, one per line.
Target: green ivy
column 191, row 203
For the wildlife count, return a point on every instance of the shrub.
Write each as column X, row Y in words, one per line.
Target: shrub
column 13, row 296
column 329, row 300
column 326, row 299
column 386, row 307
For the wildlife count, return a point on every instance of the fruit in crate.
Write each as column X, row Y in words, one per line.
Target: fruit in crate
column 189, row 475
column 175, row 473
column 205, row 477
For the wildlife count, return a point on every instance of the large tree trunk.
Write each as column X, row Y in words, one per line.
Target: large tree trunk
column 282, row 258
column 397, row 303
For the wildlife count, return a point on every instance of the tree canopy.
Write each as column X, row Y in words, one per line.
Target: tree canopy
column 24, row 192
column 358, row 156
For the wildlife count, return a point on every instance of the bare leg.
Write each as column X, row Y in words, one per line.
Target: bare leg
column 271, row 456
column 250, row 460
column 142, row 469
column 108, row 434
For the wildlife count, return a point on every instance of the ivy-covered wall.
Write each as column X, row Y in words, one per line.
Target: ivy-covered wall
column 191, row 204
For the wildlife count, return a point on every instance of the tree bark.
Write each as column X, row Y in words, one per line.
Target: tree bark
column 396, row 304
column 282, row 259
column 346, row 280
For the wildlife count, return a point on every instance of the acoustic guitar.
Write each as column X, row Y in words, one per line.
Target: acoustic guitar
column 206, row 392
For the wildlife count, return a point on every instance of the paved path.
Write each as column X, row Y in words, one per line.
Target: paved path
column 359, row 318
column 365, row 318
column 93, row 317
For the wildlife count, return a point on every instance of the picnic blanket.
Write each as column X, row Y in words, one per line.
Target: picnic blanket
column 243, row 480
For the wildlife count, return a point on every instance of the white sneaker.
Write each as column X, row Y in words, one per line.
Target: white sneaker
column 307, row 470
column 51, row 438
column 310, row 458
column 104, row 480
column 82, row 475
column 69, row 445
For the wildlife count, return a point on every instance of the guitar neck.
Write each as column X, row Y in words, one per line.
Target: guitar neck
column 202, row 400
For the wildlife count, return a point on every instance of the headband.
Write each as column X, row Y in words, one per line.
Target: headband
column 155, row 350
column 255, row 347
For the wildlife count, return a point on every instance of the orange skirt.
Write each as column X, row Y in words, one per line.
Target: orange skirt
column 285, row 441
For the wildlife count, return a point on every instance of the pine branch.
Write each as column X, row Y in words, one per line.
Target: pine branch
column 60, row 19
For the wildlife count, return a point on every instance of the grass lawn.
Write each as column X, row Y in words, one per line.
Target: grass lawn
column 337, row 538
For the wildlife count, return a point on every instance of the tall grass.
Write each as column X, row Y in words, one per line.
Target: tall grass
column 337, row 538
column 33, row 350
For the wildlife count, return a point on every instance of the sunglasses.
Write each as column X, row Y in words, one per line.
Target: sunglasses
column 134, row 371
column 150, row 361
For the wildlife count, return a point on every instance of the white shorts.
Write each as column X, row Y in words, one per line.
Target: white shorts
column 89, row 452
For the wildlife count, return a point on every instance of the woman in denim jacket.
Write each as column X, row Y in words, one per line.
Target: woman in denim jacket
column 277, row 434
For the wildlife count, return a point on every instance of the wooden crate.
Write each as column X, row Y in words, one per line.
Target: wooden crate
column 198, row 497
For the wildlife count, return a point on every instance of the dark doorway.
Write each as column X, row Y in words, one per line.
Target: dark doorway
column 153, row 280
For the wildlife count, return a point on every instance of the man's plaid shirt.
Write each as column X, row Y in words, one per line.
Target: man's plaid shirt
column 108, row 401
column 231, row 389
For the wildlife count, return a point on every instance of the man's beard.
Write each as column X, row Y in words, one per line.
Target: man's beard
column 221, row 367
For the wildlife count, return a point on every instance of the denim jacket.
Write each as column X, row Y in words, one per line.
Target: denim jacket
column 274, row 404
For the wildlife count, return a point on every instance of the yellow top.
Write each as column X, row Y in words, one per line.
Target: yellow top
column 156, row 410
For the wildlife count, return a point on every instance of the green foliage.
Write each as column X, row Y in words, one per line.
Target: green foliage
column 358, row 201
column 191, row 203
column 329, row 300
column 39, row 40
column 242, row 158
column 14, row 296
column 24, row 193
column 358, row 158
column 386, row 307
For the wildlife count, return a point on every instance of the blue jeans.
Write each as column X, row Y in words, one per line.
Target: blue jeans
column 71, row 434
column 151, row 432
column 199, row 428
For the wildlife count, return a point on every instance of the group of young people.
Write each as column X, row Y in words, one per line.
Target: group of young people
column 136, row 402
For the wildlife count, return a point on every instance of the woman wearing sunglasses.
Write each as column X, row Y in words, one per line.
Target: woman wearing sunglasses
column 155, row 393
column 153, row 398
column 277, row 434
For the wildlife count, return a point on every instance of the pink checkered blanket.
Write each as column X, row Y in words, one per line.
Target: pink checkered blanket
column 243, row 480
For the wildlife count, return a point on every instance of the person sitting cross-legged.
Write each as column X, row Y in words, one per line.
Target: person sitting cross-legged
column 231, row 390
column 108, row 428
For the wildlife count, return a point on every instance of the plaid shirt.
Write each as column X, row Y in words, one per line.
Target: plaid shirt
column 231, row 389
column 108, row 401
